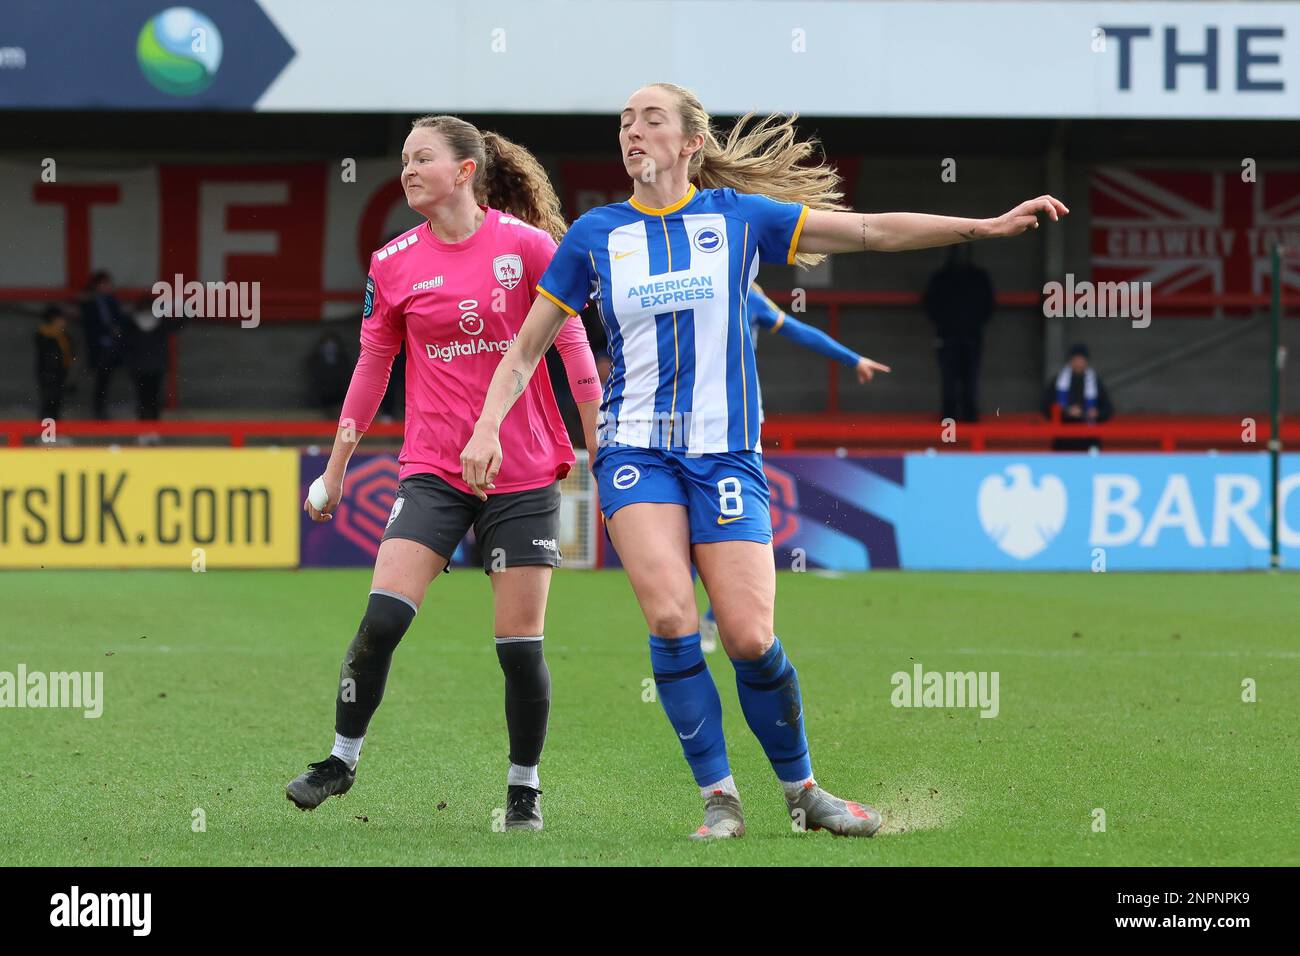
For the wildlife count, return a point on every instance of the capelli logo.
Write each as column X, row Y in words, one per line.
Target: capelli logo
column 103, row 909
column 427, row 284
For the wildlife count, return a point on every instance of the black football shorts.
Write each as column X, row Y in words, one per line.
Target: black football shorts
column 513, row 529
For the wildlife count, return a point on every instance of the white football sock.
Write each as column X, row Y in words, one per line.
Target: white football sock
column 793, row 789
column 727, row 785
column 347, row 749
column 523, row 777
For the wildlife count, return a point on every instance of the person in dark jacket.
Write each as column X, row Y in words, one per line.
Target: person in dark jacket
column 105, row 326
column 54, row 357
column 1079, row 393
column 959, row 301
column 147, row 342
column 329, row 370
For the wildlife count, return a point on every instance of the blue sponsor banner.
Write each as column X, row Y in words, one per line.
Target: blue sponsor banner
column 1080, row 512
column 138, row 54
column 836, row 512
column 956, row 511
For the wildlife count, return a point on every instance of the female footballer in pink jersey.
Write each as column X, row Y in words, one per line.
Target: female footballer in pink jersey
column 455, row 291
column 680, row 470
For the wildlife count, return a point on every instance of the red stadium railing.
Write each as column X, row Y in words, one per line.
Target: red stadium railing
column 780, row 432
column 1017, row 432
column 234, row 432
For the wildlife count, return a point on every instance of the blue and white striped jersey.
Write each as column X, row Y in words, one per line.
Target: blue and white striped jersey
column 671, row 286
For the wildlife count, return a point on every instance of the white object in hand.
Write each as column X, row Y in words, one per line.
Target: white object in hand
column 317, row 494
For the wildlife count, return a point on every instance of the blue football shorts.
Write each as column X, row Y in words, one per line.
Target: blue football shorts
column 725, row 494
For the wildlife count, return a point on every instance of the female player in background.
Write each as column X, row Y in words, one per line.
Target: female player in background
column 455, row 290
column 679, row 471
column 766, row 314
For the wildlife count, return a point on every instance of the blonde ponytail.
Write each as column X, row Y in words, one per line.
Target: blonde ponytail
column 762, row 157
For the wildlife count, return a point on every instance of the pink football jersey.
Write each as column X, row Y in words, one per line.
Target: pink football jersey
column 458, row 307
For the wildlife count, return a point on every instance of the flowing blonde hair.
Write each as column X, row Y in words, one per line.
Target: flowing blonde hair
column 761, row 157
column 506, row 176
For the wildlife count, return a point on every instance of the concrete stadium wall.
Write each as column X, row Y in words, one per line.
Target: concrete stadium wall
column 999, row 163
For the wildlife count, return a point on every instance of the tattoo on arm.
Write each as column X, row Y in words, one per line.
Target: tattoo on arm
column 864, row 233
column 968, row 235
column 519, row 382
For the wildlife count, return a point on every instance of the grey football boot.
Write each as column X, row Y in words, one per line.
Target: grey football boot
column 722, row 818
column 815, row 809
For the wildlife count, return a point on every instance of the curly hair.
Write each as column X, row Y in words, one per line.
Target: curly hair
column 507, row 176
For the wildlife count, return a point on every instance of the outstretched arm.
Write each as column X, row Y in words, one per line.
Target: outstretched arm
column 815, row 340
column 826, row 231
column 481, row 458
column 818, row 341
column 766, row 314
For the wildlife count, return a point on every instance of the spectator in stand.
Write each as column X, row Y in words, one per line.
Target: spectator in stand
column 1078, row 392
column 54, row 357
column 329, row 372
column 959, row 301
column 147, row 339
column 104, row 325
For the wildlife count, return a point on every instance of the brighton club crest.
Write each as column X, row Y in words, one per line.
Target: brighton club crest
column 508, row 270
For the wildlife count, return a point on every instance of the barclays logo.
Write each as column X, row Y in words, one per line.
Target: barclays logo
column 1020, row 517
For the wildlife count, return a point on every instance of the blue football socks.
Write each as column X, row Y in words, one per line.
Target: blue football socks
column 773, row 706
column 690, row 699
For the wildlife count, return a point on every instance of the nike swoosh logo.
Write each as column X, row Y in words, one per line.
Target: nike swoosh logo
column 691, row 736
column 624, row 255
column 722, row 520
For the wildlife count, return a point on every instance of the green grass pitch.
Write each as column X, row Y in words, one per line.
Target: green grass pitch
column 1120, row 693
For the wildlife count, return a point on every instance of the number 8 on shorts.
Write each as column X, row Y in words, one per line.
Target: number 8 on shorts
column 730, row 502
